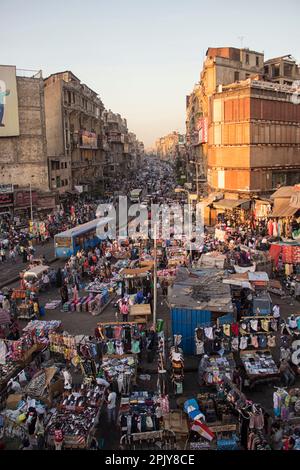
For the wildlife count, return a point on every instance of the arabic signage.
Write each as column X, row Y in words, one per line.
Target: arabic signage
column 6, row 199
column 22, row 198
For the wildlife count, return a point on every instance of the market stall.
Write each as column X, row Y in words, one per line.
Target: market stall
column 140, row 312
column 259, row 367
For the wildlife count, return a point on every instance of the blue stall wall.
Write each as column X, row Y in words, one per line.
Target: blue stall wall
column 184, row 322
column 226, row 319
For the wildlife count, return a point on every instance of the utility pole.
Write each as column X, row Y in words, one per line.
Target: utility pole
column 31, row 209
column 155, row 278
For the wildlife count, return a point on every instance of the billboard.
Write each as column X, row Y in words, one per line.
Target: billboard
column 9, row 115
column 202, row 127
column 88, row 140
column 23, row 199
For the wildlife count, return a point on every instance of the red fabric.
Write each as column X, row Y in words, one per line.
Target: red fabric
column 235, row 329
column 275, row 251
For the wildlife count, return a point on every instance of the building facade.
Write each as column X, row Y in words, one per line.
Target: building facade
column 253, row 137
column 170, row 146
column 221, row 66
column 23, row 157
column 74, row 130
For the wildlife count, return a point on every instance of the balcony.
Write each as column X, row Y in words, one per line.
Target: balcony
column 116, row 137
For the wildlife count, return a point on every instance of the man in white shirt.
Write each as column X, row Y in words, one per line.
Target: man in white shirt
column 111, row 407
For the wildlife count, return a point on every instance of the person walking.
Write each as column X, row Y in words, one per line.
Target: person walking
column 111, row 407
column 286, row 373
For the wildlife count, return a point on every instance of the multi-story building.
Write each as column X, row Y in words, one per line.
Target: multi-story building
column 115, row 128
column 23, row 152
column 170, row 146
column 254, row 137
column 283, row 70
column 221, row 66
column 74, row 131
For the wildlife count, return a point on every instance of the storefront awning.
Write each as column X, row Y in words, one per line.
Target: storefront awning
column 231, row 203
column 283, row 209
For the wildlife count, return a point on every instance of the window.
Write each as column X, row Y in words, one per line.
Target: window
column 275, row 70
column 247, row 58
column 257, row 61
column 62, row 165
column 236, row 76
column 67, row 182
column 66, row 165
column 58, row 184
column 247, row 75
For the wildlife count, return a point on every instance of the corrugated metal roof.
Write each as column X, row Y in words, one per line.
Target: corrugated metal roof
column 230, row 203
column 283, row 209
column 285, row 191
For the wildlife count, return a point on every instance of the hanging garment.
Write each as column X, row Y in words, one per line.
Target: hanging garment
column 135, row 346
column 265, row 324
column 119, row 348
column 275, row 229
column 262, row 341
column 274, row 325
column 254, row 325
column 243, row 342
column 235, row 329
column 271, row 341
column 200, row 347
column 226, row 329
column 235, row 344
column 209, row 333
column 110, row 347
column 254, row 341
column 118, row 332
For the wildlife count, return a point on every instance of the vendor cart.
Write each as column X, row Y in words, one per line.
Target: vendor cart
column 140, row 312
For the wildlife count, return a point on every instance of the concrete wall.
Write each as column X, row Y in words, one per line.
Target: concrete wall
column 54, row 119
column 23, row 159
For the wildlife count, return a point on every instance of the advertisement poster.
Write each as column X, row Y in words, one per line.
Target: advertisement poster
column 9, row 116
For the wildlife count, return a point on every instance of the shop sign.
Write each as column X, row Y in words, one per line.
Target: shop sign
column 88, row 140
column 6, row 199
column 6, row 188
column 22, row 198
column 46, row 202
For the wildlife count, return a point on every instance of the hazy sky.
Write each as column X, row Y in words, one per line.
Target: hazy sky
column 142, row 57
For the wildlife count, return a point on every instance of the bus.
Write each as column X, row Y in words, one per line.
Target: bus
column 81, row 237
column 135, row 195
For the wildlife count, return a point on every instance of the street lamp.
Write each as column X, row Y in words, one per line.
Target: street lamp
column 182, row 190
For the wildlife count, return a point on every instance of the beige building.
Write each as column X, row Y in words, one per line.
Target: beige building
column 170, row 146
column 23, row 158
column 222, row 66
column 74, row 130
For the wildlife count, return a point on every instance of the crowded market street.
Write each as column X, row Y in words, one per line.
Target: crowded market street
column 92, row 325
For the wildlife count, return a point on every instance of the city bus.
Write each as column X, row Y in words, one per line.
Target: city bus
column 81, row 237
column 135, row 195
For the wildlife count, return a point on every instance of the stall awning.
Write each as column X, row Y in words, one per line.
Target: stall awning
column 283, row 209
column 135, row 272
column 231, row 203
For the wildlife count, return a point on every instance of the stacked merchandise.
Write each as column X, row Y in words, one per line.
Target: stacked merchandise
column 122, row 338
column 82, row 396
column 290, row 335
column 97, row 287
column 18, row 350
column 138, row 413
column 39, row 330
column 119, row 372
column 75, row 426
column 259, row 365
column 53, row 305
column 64, row 344
column 177, row 364
column 217, row 367
column 176, row 256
